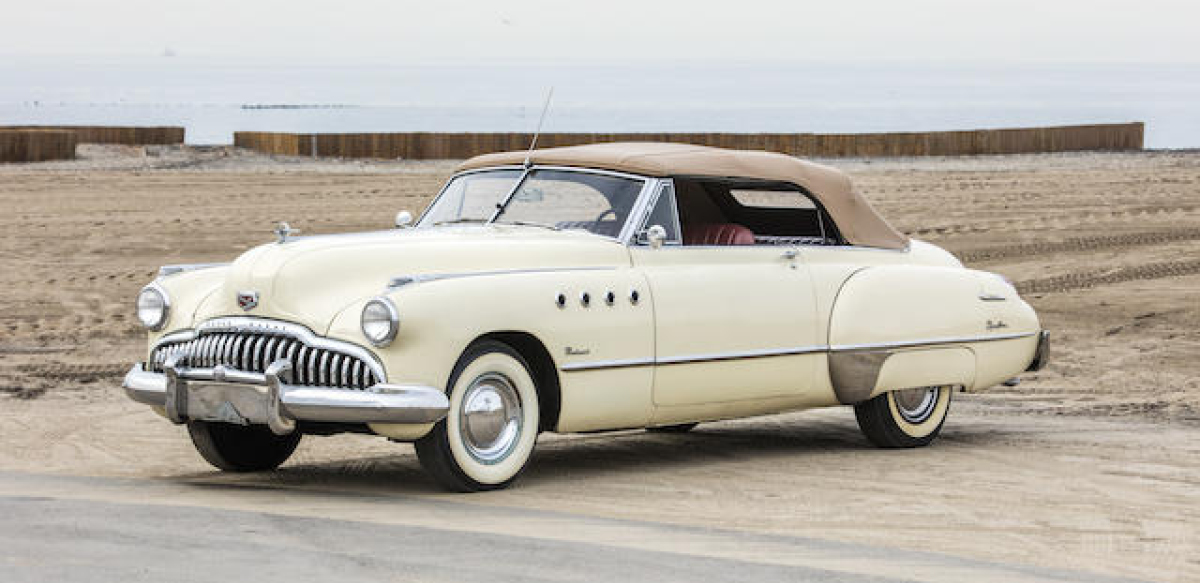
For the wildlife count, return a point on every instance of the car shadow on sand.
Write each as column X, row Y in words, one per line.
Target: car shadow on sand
column 568, row 460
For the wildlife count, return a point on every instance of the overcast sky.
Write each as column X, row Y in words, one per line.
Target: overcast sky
column 401, row 31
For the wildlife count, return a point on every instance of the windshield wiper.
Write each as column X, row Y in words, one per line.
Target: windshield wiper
column 459, row 220
column 531, row 224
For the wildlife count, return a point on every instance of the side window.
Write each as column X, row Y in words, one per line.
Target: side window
column 781, row 217
column 664, row 214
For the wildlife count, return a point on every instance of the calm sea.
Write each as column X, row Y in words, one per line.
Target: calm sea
column 213, row 98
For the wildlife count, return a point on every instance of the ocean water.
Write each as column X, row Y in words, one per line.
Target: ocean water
column 213, row 98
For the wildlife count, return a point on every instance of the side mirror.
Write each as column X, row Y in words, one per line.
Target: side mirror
column 403, row 219
column 654, row 235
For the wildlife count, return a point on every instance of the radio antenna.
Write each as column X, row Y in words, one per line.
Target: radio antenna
column 538, row 131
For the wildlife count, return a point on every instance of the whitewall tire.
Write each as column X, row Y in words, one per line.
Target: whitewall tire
column 489, row 432
column 905, row 418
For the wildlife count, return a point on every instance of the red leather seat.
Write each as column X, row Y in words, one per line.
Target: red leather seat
column 718, row 234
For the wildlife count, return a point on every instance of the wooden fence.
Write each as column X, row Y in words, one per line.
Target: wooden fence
column 131, row 136
column 424, row 146
column 36, row 145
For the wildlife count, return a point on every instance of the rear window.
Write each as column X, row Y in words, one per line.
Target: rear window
column 778, row 199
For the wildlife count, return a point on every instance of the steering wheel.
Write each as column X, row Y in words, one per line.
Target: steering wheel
column 600, row 217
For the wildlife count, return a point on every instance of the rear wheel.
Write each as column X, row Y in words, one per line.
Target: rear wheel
column 489, row 432
column 241, row 448
column 905, row 418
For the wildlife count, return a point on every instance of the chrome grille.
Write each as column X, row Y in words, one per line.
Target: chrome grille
column 253, row 351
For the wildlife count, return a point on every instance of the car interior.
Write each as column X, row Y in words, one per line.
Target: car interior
column 730, row 212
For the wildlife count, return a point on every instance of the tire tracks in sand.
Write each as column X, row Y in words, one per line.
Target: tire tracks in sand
column 1077, row 244
column 1071, row 281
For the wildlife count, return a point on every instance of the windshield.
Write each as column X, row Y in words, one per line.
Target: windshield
column 564, row 199
column 471, row 197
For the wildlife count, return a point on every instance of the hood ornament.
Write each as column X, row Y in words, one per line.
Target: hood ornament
column 283, row 231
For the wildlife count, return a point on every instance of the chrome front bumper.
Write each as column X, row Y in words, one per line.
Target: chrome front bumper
column 234, row 396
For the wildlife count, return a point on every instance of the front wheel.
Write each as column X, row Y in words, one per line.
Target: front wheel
column 489, row 432
column 241, row 448
column 905, row 418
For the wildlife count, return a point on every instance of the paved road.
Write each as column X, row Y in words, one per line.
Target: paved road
column 83, row 529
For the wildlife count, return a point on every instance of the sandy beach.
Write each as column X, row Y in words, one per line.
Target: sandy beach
column 1088, row 466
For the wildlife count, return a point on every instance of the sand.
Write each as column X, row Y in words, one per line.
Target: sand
column 1089, row 465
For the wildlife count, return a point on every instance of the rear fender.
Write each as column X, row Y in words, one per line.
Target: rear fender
column 889, row 326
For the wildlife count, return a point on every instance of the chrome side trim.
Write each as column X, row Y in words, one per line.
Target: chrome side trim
column 772, row 352
column 928, row 342
column 600, row 364
column 693, row 358
column 739, row 355
column 168, row 270
column 403, row 280
column 905, row 249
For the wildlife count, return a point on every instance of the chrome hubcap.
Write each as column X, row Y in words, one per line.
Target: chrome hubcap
column 916, row 405
column 490, row 418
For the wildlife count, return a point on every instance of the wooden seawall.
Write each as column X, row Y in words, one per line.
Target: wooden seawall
column 36, row 145
column 429, row 145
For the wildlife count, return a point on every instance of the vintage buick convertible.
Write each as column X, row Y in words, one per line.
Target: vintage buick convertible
column 577, row 289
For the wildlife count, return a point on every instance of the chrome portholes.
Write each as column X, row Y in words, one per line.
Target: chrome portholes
column 916, row 405
column 490, row 418
column 585, row 298
column 609, row 298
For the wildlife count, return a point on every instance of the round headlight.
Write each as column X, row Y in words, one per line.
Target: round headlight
column 153, row 307
column 380, row 321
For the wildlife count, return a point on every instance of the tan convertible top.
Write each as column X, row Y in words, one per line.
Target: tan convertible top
column 857, row 221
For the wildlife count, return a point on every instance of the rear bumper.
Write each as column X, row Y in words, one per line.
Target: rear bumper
column 233, row 396
column 1041, row 355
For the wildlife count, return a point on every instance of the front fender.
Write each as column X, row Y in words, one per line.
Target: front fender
column 440, row 318
column 187, row 292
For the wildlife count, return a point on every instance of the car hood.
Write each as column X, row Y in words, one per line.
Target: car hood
column 310, row 280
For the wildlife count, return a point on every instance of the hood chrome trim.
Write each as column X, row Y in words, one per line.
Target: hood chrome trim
column 168, row 270
column 403, row 280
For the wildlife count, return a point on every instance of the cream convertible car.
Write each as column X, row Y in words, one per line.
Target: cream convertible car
column 579, row 289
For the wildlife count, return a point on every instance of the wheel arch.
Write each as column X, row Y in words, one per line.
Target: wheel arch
column 545, row 372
